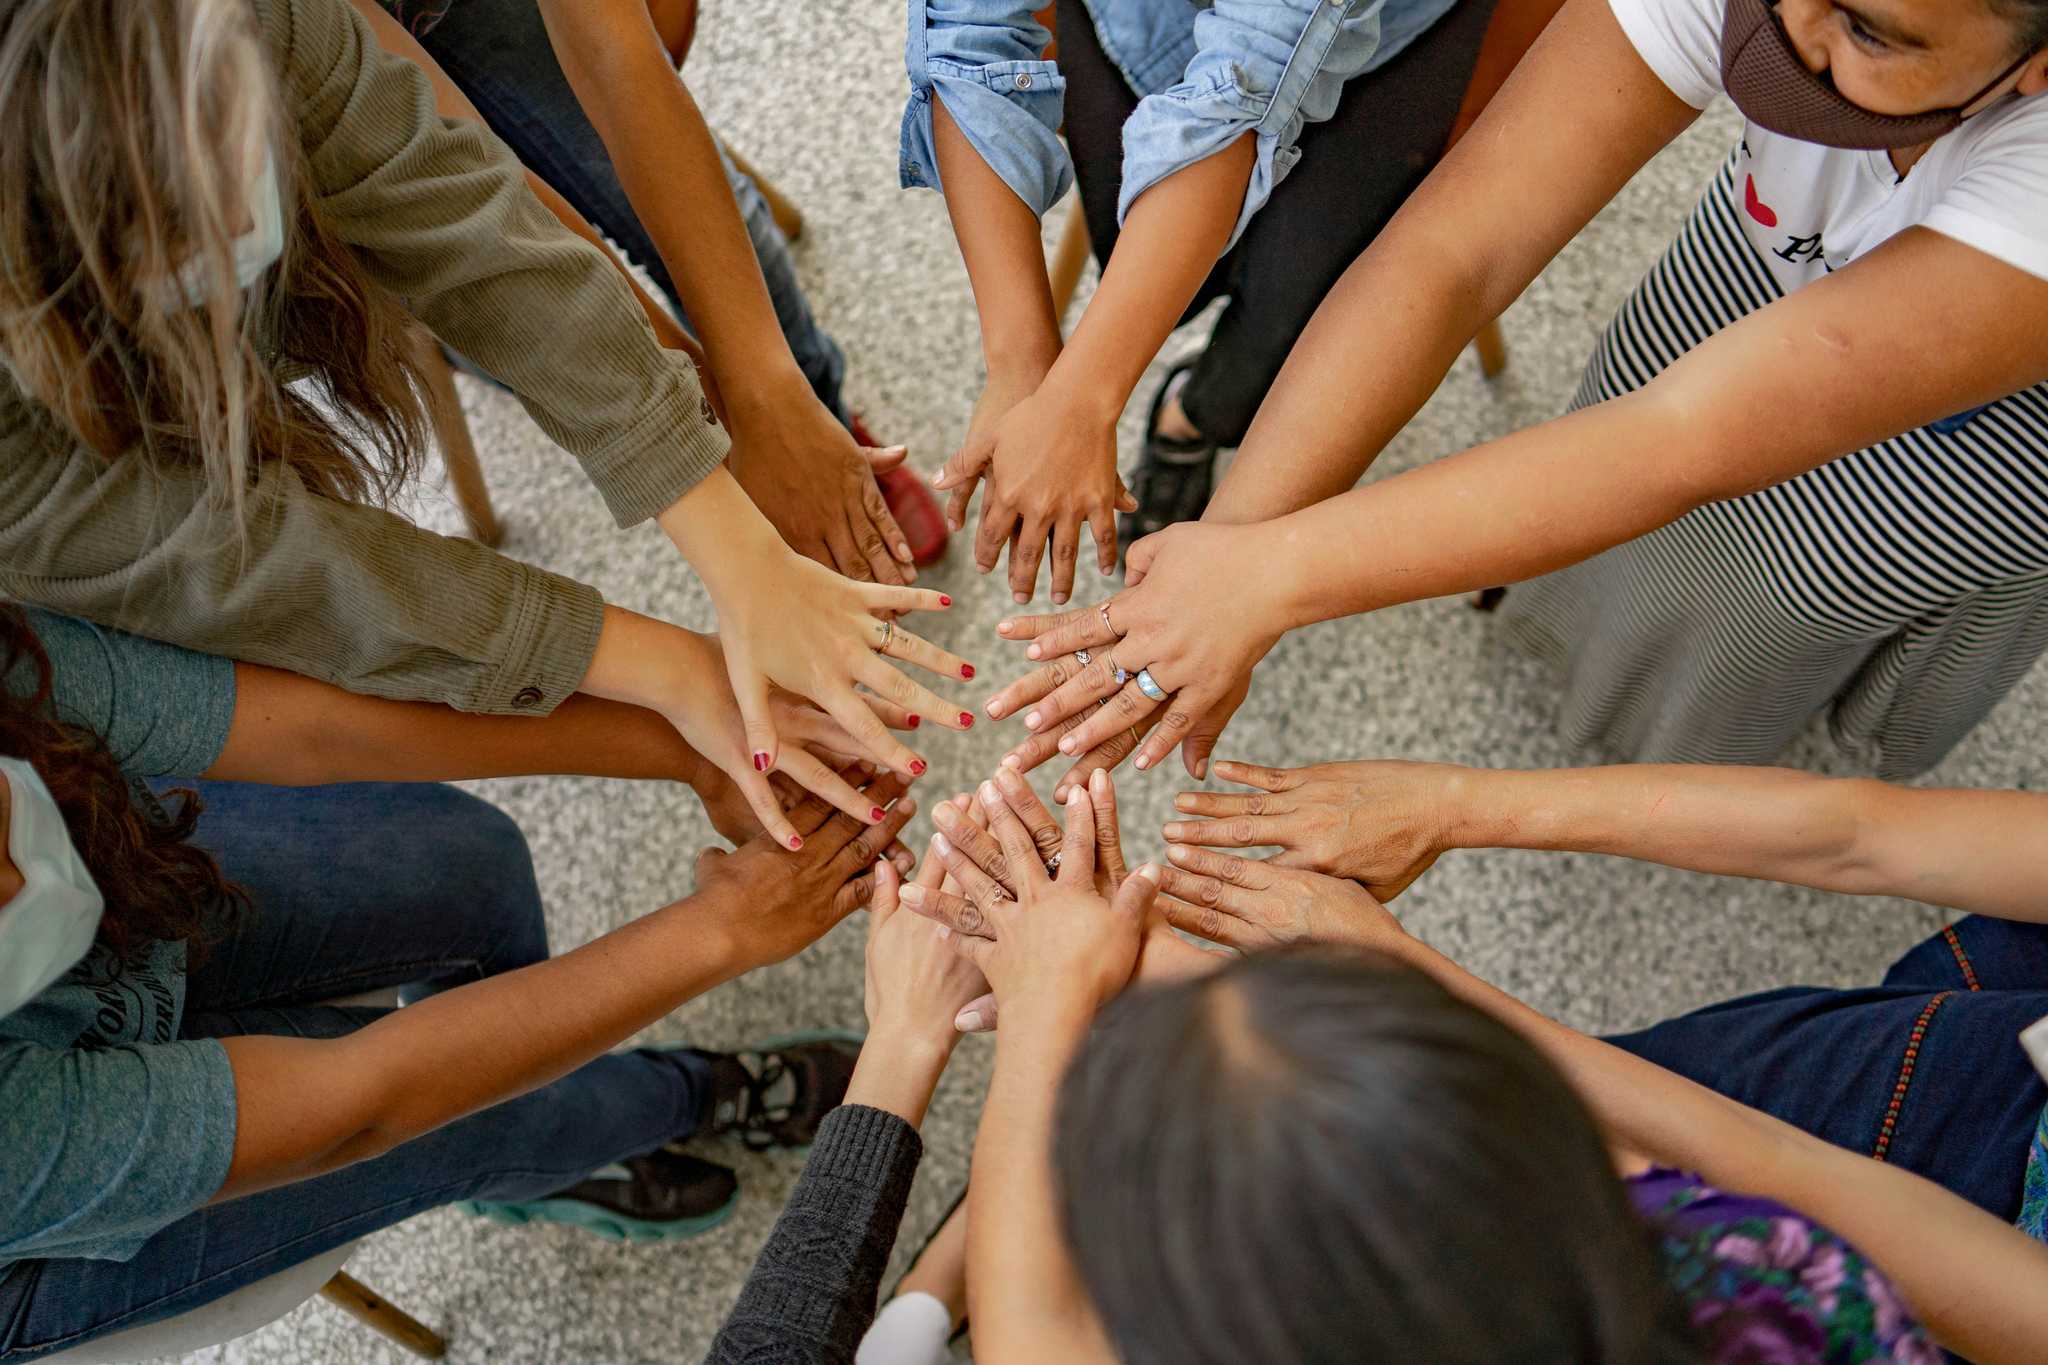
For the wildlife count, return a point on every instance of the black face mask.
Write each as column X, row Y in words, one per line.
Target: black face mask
column 1762, row 73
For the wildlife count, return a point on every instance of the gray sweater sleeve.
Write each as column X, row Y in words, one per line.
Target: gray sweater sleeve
column 812, row 1292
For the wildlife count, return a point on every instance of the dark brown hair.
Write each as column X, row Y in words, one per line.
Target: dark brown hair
column 157, row 885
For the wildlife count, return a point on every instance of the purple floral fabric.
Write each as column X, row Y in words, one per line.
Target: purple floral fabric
column 1765, row 1286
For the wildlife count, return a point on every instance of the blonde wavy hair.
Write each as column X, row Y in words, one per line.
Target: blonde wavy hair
column 133, row 131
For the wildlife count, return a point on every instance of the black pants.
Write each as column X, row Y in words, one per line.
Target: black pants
column 1355, row 170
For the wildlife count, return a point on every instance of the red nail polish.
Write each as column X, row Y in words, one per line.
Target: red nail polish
column 967, row 670
column 795, row 842
column 945, row 601
column 967, row 720
column 916, row 721
column 760, row 760
column 917, row 767
column 875, row 814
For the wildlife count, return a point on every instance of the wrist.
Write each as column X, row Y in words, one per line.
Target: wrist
column 899, row 1068
column 648, row 662
column 1020, row 360
column 720, row 532
column 1087, row 389
column 766, row 391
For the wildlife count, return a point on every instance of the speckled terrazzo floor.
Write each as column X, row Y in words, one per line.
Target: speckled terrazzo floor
column 1603, row 943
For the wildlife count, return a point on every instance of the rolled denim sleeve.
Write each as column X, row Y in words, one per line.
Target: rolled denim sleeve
column 985, row 58
column 1264, row 66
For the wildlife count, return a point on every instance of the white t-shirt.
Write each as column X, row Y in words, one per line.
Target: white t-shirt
column 1809, row 209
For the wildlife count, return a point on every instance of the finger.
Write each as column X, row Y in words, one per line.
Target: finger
column 1104, row 530
column 1060, row 632
column 979, row 845
column 1036, row 749
column 810, row 814
column 1090, row 684
column 975, row 884
column 1077, row 854
column 977, row 1015
column 1183, row 709
column 1133, row 900
column 879, row 678
column 1222, row 805
column 1202, row 740
column 1229, row 831
column 884, row 902
column 997, row 519
column 1037, row 683
column 971, row 949
column 860, row 844
column 932, row 871
column 1024, row 557
column 892, row 715
column 1029, row 870
column 1066, row 548
column 759, row 791
column 1126, row 500
column 961, row 914
column 873, row 544
column 813, row 776
column 1103, row 756
column 915, row 649
column 853, row 894
column 1213, row 924
column 1253, row 775
column 1109, row 842
column 1138, row 559
column 877, row 597
column 1246, row 874
column 1122, row 711
column 846, row 557
column 874, row 741
column 965, row 465
column 956, row 504
column 750, row 691
column 1024, row 802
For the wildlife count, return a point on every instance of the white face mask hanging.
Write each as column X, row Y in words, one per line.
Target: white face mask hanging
column 256, row 250
column 49, row 926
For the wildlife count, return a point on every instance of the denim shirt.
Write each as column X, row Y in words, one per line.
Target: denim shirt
column 1206, row 71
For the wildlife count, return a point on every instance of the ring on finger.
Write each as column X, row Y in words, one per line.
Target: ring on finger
column 1116, row 670
column 1084, row 656
column 1052, row 864
column 888, row 634
column 1103, row 612
column 1149, row 687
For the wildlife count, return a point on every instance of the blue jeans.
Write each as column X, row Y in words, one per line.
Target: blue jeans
column 497, row 52
column 1833, row 1062
column 359, row 888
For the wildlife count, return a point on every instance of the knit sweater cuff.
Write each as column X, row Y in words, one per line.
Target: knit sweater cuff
column 866, row 1146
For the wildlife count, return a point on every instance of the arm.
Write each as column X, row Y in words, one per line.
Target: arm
column 785, row 439
column 1978, row 1284
column 415, row 1069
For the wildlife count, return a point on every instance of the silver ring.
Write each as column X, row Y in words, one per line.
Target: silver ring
column 1084, row 657
column 1116, row 670
column 1148, row 687
column 1103, row 612
column 1052, row 864
column 888, row 634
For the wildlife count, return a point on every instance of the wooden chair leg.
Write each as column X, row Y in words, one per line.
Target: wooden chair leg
column 458, row 448
column 1492, row 348
column 1069, row 260
column 786, row 215
column 352, row 1297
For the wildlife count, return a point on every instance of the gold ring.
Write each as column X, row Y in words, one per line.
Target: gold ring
column 1103, row 612
column 888, row 634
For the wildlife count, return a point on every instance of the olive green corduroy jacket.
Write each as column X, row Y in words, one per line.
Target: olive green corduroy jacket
column 439, row 214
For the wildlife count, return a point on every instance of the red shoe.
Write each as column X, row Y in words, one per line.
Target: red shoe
column 913, row 504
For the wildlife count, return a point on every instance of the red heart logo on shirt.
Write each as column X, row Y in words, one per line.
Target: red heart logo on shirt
column 1758, row 209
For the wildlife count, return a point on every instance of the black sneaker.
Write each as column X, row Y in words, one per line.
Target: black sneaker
column 777, row 1094
column 1174, row 477
column 663, row 1196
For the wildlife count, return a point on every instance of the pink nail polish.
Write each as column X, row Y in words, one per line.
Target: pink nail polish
column 967, row 671
column 917, row 767
column 760, row 760
column 795, row 842
column 875, row 814
column 967, row 720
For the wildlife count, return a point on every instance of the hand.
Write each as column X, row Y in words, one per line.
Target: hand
column 788, row 622
column 1192, row 618
column 817, row 487
column 685, row 677
column 916, row 983
column 1050, row 464
column 779, row 903
column 1057, row 946
column 1249, row 905
column 1378, row 823
column 1005, row 388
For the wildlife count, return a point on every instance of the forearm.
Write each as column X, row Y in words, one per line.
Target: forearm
column 1980, row 1285
column 1170, row 241
column 669, row 166
column 1025, row 1300
column 449, row 1055
column 290, row 730
column 998, row 236
column 899, row 1069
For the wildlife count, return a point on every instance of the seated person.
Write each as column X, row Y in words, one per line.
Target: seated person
column 187, row 1108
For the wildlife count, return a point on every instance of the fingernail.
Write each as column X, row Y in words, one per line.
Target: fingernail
column 915, row 721
column 903, row 555
column 1007, row 778
column 1059, row 599
column 945, row 932
column 962, row 801
column 1074, row 796
column 796, row 841
column 1003, row 627
column 1020, row 598
column 994, row 709
column 1184, row 802
column 1177, row 853
column 951, row 524
column 943, row 845
column 1098, row 783
column 1201, row 768
column 967, row 1021
column 944, row 816
column 939, row 479
column 967, row 720
column 967, row 671
column 1031, row 720
column 1149, row 873
column 760, row 760
column 1012, row 761
column 1031, row 651
column 1070, row 745
column 875, row 814
column 1144, row 762
column 1175, row 831
column 917, row 767
column 989, row 795
column 945, row 601
column 911, row 895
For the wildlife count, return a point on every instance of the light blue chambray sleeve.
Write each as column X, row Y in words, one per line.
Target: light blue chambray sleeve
column 1269, row 66
column 985, row 58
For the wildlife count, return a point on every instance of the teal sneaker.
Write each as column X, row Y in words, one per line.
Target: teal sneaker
column 664, row 1196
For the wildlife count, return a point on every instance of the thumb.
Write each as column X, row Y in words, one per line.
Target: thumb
column 1200, row 743
column 1138, row 559
column 967, row 462
column 882, row 458
column 1126, row 501
column 707, row 860
column 884, row 903
column 977, row 1015
column 1133, row 900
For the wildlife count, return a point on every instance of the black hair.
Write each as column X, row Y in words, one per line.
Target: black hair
column 1315, row 1156
column 2029, row 20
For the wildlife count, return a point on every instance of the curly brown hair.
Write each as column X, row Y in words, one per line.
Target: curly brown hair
column 157, row 885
